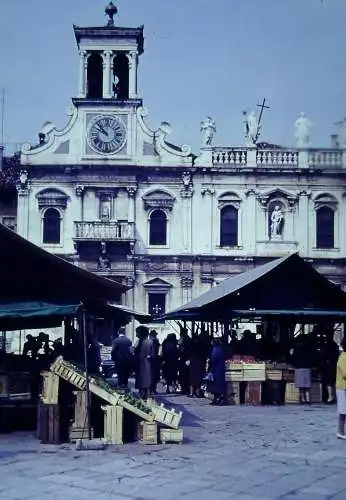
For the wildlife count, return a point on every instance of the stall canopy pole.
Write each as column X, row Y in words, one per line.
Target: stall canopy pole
column 87, row 388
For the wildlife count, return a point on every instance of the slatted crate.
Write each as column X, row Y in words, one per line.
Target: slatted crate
column 233, row 392
column 253, row 393
column 149, row 417
column 273, row 374
column 48, row 423
column 66, row 372
column 169, row 418
column 50, row 388
column 113, row 424
column 235, row 375
column 254, row 372
column 292, row 393
column 76, row 433
column 111, row 397
column 147, row 432
column 171, row 436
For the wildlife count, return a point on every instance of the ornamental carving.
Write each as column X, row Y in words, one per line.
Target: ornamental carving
column 23, row 183
column 186, row 281
column 158, row 199
column 131, row 191
column 79, row 190
column 52, row 198
column 209, row 191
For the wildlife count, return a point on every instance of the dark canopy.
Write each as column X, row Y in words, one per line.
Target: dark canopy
column 288, row 283
column 27, row 273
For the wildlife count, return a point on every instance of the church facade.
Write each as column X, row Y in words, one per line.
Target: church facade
column 115, row 197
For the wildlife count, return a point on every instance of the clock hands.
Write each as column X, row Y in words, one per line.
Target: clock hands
column 102, row 129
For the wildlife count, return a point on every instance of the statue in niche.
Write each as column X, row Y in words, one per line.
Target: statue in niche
column 116, row 86
column 276, row 222
column 208, row 127
column 186, row 178
column 103, row 263
column 105, row 210
column 303, row 128
column 251, row 128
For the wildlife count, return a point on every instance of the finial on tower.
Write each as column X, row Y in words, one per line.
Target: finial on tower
column 110, row 11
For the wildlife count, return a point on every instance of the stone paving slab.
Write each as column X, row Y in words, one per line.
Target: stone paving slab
column 243, row 453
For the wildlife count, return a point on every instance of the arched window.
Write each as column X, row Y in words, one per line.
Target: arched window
column 51, row 226
column 158, row 228
column 229, row 226
column 95, row 76
column 121, row 72
column 325, row 227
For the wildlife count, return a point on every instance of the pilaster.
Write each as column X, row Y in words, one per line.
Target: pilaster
column 82, row 74
column 107, row 91
column 23, row 190
column 133, row 65
column 131, row 191
column 186, row 194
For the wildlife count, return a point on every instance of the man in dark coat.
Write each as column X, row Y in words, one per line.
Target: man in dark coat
column 122, row 355
column 155, row 361
column 217, row 369
column 144, row 354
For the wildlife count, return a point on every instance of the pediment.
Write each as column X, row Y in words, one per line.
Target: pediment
column 158, row 199
column 52, row 198
column 157, row 283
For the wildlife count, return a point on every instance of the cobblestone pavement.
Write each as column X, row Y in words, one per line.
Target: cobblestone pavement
column 244, row 453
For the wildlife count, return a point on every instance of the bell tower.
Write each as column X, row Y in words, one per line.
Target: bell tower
column 108, row 62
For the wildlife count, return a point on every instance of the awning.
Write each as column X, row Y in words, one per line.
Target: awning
column 303, row 313
column 28, row 315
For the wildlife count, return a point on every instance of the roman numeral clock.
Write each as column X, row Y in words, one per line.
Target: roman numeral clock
column 106, row 134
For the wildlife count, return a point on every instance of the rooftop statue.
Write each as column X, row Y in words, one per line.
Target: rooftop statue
column 111, row 11
column 303, row 128
column 208, row 127
column 252, row 128
column 342, row 133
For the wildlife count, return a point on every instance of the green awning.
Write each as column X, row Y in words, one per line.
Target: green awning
column 26, row 315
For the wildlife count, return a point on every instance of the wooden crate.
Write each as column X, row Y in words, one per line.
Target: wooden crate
column 254, row 372
column 76, row 433
column 50, row 388
column 81, row 417
column 273, row 374
column 292, row 393
column 288, row 375
column 253, row 393
column 113, row 424
column 65, row 371
column 147, row 432
column 4, row 385
column 171, row 436
column 149, row 417
column 235, row 375
column 111, row 397
column 48, row 423
column 169, row 418
column 233, row 392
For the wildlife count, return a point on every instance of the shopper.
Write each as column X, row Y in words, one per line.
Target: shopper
column 340, row 386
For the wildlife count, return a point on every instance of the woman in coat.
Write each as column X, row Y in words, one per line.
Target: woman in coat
column 217, row 370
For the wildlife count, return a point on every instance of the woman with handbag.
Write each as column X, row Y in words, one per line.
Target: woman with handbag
column 340, row 386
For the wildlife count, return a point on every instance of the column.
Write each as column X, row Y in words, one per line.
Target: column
column 23, row 212
column 303, row 235
column 131, row 191
column 249, row 231
column 107, row 91
column 132, row 57
column 82, row 74
column 186, row 283
column 79, row 193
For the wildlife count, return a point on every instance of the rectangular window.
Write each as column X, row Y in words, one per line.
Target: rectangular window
column 156, row 304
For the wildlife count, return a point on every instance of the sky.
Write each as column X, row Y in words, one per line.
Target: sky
column 201, row 58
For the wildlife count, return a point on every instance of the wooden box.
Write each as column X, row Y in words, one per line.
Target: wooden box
column 81, row 417
column 76, row 433
column 171, row 436
column 255, row 372
column 147, row 433
column 292, row 393
column 4, row 385
column 233, row 392
column 48, row 423
column 113, row 424
column 274, row 374
column 169, row 418
column 235, row 375
column 253, row 393
column 50, row 388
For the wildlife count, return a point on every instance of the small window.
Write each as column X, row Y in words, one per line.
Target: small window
column 158, row 228
column 157, row 304
column 325, row 227
column 51, row 226
column 229, row 226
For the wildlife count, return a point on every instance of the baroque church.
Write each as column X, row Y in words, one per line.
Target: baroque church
column 114, row 196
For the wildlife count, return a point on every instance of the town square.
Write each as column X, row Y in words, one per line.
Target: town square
column 173, row 250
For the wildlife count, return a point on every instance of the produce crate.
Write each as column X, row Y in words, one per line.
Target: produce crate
column 68, row 373
column 253, row 393
column 147, row 432
column 171, row 436
column 113, row 424
column 169, row 418
column 254, row 372
column 4, row 384
column 272, row 374
column 233, row 392
column 288, row 375
column 231, row 365
column 48, row 423
column 292, row 393
column 235, row 375
column 76, row 433
column 106, row 395
column 50, row 388
column 80, row 410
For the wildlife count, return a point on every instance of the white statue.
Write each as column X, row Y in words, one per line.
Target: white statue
column 277, row 220
column 208, row 127
column 252, row 128
column 303, row 128
column 342, row 133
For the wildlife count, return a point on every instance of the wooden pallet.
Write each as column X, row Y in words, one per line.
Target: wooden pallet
column 254, row 372
column 50, row 388
column 48, row 423
column 235, row 375
column 171, row 436
column 113, row 424
column 76, row 433
column 169, row 418
column 147, row 432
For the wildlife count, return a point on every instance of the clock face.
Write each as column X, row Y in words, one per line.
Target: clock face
column 106, row 134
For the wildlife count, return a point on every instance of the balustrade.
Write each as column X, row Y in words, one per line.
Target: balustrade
column 277, row 158
column 236, row 157
column 100, row 230
column 326, row 158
